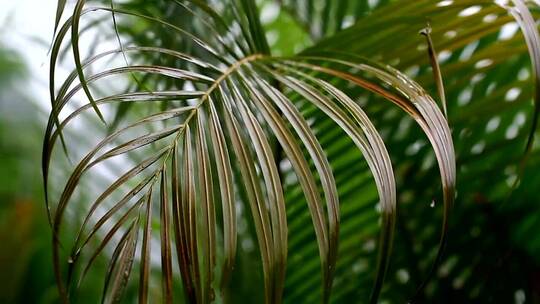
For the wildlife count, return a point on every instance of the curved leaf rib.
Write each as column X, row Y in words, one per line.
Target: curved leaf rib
column 425, row 112
column 188, row 207
column 254, row 193
column 274, row 191
column 146, row 250
column 207, row 216
column 166, row 257
column 372, row 148
column 293, row 151
column 119, row 223
column 224, row 170
column 529, row 28
column 77, row 57
column 120, row 266
column 180, row 235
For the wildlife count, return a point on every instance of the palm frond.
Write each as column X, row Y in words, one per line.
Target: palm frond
column 205, row 130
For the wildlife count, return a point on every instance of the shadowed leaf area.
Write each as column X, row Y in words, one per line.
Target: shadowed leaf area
column 242, row 151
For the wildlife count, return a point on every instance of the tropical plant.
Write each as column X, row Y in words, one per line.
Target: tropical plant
column 213, row 140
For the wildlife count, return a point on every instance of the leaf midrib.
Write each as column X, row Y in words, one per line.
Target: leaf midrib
column 229, row 71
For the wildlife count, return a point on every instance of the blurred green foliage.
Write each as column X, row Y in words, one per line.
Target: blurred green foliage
column 25, row 259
